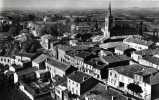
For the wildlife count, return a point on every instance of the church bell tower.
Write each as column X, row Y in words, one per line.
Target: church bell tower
column 108, row 22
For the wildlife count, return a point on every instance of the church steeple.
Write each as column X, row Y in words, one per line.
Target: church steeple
column 108, row 21
column 109, row 8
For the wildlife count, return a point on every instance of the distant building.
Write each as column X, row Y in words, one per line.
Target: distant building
column 39, row 62
column 137, row 55
column 45, row 41
column 137, row 42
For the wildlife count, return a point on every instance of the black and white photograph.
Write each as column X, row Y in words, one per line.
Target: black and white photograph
column 79, row 49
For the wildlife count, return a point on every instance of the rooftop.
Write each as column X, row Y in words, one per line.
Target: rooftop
column 83, row 54
column 40, row 58
column 64, row 47
column 147, row 52
column 58, row 64
column 25, row 54
column 96, row 63
column 26, row 71
column 79, row 77
column 37, row 88
column 115, row 58
column 152, row 59
column 129, row 70
column 110, row 45
column 99, row 91
column 146, row 71
column 122, row 47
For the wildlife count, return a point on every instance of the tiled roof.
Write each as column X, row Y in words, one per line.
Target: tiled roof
column 79, row 77
column 110, row 45
column 99, row 91
column 96, row 63
column 115, row 58
column 57, row 64
column 129, row 70
column 148, row 52
column 146, row 71
column 83, row 54
column 40, row 58
column 122, row 47
column 152, row 59
column 24, row 54
column 64, row 47
column 138, row 40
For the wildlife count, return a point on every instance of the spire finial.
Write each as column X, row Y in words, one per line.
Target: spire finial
column 110, row 12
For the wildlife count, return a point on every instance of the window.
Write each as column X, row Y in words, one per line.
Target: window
column 76, row 91
column 110, row 73
column 77, row 84
column 121, row 84
column 115, row 76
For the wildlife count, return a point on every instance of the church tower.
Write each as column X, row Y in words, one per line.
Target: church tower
column 108, row 22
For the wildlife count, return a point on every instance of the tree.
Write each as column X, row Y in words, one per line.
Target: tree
column 134, row 88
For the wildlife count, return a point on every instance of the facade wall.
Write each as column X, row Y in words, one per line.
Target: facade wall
column 74, row 87
column 54, row 70
column 36, row 65
column 136, row 46
column 119, row 52
column 5, row 60
column 136, row 57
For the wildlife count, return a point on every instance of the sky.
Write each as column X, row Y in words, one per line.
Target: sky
column 76, row 4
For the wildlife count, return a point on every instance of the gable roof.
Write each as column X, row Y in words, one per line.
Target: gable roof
column 57, row 64
column 79, row 77
column 40, row 58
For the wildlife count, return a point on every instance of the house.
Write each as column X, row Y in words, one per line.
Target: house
column 96, row 68
column 124, row 49
column 21, row 58
column 39, row 62
column 79, row 83
column 105, row 53
column 59, row 92
column 57, row 68
column 63, row 50
column 60, row 88
column 141, row 77
column 45, row 41
column 6, row 60
column 35, row 89
column 138, row 42
column 137, row 55
column 150, row 61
